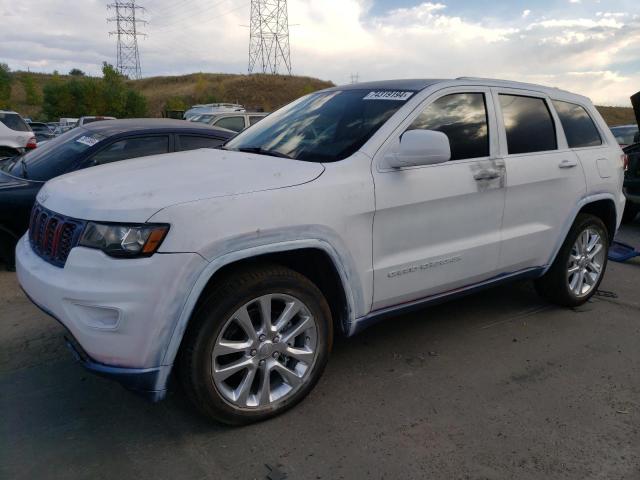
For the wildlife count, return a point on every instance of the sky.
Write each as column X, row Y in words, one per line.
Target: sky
column 590, row 47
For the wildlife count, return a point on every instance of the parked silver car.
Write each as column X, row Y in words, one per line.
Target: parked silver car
column 235, row 121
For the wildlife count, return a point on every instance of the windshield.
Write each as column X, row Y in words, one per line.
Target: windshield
column 321, row 127
column 625, row 135
column 53, row 158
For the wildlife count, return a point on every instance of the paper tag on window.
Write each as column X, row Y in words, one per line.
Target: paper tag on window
column 388, row 95
column 90, row 141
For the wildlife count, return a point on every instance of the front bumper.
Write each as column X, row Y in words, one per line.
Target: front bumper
column 120, row 314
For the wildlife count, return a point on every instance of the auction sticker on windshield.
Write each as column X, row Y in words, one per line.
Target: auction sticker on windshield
column 89, row 141
column 388, row 95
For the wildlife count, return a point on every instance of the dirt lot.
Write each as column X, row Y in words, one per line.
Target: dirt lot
column 498, row 385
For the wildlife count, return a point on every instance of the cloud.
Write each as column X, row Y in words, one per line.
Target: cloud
column 595, row 54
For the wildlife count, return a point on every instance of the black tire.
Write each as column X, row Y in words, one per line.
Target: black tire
column 630, row 212
column 222, row 300
column 554, row 284
column 8, row 152
column 7, row 251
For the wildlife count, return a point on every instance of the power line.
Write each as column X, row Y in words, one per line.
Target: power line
column 269, row 37
column 128, row 56
column 179, row 25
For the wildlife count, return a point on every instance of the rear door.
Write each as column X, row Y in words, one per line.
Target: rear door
column 544, row 179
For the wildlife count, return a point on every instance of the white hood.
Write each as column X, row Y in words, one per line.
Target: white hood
column 133, row 190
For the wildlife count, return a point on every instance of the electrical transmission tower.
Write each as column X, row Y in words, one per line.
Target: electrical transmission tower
column 269, row 37
column 128, row 61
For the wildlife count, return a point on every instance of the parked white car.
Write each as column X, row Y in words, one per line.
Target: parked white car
column 15, row 135
column 90, row 119
column 233, row 268
column 208, row 108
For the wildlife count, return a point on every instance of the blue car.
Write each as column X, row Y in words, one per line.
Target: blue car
column 93, row 144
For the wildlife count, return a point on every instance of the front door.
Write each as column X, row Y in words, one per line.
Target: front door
column 437, row 227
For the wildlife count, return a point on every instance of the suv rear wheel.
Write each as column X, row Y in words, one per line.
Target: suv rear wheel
column 8, row 152
column 580, row 264
column 257, row 345
column 630, row 212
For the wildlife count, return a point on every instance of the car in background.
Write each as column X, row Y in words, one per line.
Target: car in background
column 626, row 134
column 16, row 136
column 631, row 186
column 42, row 131
column 60, row 129
column 234, row 121
column 212, row 108
column 97, row 143
column 90, row 119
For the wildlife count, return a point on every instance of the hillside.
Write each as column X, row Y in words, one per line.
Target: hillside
column 265, row 92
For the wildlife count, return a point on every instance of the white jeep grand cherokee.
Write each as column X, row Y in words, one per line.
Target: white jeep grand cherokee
column 234, row 267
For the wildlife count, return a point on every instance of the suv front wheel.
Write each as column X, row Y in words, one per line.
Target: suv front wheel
column 580, row 264
column 257, row 345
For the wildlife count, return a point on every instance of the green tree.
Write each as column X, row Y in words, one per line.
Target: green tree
column 135, row 105
column 32, row 96
column 5, row 86
column 81, row 95
column 76, row 72
column 114, row 91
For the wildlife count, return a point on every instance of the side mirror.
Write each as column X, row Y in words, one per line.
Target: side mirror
column 420, row 147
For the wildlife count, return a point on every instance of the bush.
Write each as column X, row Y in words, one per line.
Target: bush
column 5, row 86
column 82, row 95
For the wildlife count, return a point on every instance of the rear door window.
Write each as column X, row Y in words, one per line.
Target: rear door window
column 132, row 148
column 528, row 124
column 231, row 123
column 255, row 119
column 577, row 124
column 193, row 142
column 14, row 122
column 462, row 117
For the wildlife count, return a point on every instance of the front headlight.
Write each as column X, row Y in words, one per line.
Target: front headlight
column 124, row 240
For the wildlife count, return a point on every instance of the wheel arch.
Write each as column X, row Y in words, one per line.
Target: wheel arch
column 316, row 259
column 602, row 205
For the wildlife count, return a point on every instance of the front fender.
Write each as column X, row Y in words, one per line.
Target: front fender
column 340, row 258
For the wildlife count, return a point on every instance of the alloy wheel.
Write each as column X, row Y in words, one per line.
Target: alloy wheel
column 585, row 262
column 265, row 351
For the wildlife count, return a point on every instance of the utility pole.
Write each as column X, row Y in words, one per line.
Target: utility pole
column 128, row 57
column 355, row 77
column 269, row 37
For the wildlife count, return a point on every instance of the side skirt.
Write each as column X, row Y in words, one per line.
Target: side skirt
column 378, row 315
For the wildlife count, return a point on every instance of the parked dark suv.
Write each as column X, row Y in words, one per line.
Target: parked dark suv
column 631, row 186
column 93, row 144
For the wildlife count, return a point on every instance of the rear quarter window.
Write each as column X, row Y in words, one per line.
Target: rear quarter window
column 193, row 142
column 14, row 122
column 577, row 124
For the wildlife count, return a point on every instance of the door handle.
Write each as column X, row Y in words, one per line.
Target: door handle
column 487, row 175
column 568, row 163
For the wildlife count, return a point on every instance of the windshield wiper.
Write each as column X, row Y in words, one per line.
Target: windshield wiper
column 262, row 151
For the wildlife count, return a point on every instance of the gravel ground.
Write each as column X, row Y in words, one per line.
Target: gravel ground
column 499, row 385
